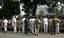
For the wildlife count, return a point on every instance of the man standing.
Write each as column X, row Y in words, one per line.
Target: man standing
column 57, row 25
column 50, row 25
column 5, row 24
column 45, row 20
column 26, row 25
column 37, row 26
column 14, row 23
column 18, row 24
column 32, row 25
column 54, row 26
column 23, row 25
column 30, row 20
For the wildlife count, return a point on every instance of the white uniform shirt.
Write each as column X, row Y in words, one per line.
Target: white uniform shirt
column 5, row 21
column 45, row 20
column 32, row 20
column 14, row 21
column 23, row 19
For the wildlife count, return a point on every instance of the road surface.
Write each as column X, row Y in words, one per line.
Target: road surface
column 21, row 35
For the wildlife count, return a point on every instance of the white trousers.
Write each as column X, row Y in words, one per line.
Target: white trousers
column 23, row 27
column 32, row 28
column 57, row 28
column 15, row 29
column 5, row 27
column 45, row 27
column 36, row 30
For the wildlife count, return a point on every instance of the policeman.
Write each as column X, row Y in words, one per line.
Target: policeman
column 37, row 26
column 5, row 24
column 41, row 24
column 50, row 21
column 32, row 21
column 14, row 23
column 26, row 25
column 23, row 25
column 53, row 30
column 18, row 24
column 45, row 23
column 57, row 25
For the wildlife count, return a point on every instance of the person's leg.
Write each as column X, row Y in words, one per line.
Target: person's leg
column 19, row 29
column 41, row 27
column 5, row 28
column 51, row 30
column 32, row 28
column 44, row 28
column 23, row 28
column 57, row 29
column 36, row 31
column 14, row 28
column 26, row 30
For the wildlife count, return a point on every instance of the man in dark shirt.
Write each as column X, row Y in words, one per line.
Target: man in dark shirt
column 26, row 25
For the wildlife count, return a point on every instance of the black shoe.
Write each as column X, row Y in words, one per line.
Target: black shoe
column 51, row 33
column 36, row 34
column 54, row 33
column 5, row 31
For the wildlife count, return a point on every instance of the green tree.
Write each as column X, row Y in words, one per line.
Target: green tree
column 55, row 12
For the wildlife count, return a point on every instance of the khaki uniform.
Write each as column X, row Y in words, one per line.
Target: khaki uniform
column 41, row 25
column 18, row 24
column 50, row 24
column 53, row 27
column 37, row 26
column 57, row 25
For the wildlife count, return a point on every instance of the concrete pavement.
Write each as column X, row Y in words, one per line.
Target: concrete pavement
column 21, row 35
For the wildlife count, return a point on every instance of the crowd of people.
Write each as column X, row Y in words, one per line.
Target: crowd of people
column 34, row 25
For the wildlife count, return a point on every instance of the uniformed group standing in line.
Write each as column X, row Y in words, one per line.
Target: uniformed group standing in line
column 34, row 25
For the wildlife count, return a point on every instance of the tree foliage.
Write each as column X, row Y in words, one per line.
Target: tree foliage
column 11, row 8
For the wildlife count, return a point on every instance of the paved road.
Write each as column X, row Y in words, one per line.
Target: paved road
column 21, row 35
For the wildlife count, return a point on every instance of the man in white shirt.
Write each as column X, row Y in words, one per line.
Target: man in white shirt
column 45, row 20
column 14, row 23
column 23, row 24
column 30, row 24
column 5, row 24
column 32, row 20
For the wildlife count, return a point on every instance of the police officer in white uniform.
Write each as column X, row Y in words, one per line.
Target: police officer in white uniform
column 45, row 22
column 32, row 20
column 5, row 24
column 30, row 24
column 23, row 25
column 14, row 23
